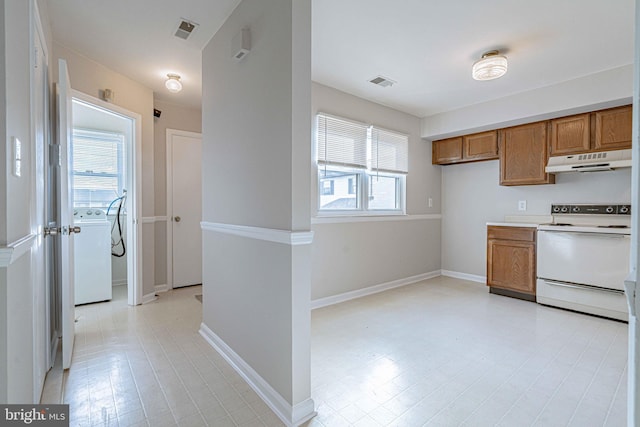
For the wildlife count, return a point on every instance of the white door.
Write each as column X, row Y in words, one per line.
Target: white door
column 65, row 212
column 42, row 279
column 184, row 188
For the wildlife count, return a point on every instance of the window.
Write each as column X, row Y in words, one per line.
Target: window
column 98, row 167
column 361, row 168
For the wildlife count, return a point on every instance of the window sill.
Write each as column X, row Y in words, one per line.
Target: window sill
column 370, row 217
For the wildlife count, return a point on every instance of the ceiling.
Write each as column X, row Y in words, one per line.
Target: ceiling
column 428, row 47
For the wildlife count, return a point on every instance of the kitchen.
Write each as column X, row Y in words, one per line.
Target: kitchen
column 598, row 142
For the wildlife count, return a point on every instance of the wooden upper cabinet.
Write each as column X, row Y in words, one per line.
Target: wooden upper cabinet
column 598, row 131
column 480, row 146
column 446, row 151
column 613, row 128
column 467, row 148
column 523, row 155
column 571, row 135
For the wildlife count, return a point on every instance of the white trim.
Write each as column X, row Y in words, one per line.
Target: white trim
column 286, row 237
column 152, row 219
column 359, row 293
column 372, row 218
column 146, row 299
column 162, row 288
column 464, row 276
column 288, row 414
column 134, row 200
column 12, row 252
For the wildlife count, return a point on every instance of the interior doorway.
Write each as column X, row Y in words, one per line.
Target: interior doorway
column 106, row 179
column 184, row 208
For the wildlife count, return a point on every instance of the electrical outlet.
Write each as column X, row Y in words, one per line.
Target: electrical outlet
column 522, row 205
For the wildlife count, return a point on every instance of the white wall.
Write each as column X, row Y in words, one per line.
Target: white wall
column 256, row 172
column 472, row 197
column 349, row 256
column 173, row 117
column 90, row 77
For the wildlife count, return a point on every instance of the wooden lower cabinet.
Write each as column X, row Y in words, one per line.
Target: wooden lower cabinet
column 511, row 261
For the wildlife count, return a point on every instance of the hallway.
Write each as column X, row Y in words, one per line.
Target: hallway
column 147, row 365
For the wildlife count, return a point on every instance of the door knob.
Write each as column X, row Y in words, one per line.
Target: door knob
column 177, row 219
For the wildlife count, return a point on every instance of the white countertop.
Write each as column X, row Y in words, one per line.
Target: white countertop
column 513, row 224
column 532, row 221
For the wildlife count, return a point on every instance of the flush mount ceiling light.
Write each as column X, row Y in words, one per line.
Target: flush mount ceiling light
column 173, row 83
column 491, row 66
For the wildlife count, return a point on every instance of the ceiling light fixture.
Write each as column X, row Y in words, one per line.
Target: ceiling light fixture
column 173, row 83
column 491, row 66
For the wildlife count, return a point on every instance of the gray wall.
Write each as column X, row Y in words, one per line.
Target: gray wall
column 256, row 172
column 472, row 197
column 348, row 256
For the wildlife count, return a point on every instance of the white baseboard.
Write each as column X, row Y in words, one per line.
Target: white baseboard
column 336, row 299
column 162, row 288
column 290, row 415
column 146, row 299
column 464, row 276
column 119, row 282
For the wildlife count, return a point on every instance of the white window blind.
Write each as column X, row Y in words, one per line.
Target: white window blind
column 98, row 167
column 341, row 142
column 389, row 151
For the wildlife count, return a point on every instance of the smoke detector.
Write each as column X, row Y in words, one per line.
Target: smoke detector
column 185, row 28
column 382, row 81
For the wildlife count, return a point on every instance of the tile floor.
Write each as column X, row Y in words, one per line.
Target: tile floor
column 445, row 352
column 442, row 352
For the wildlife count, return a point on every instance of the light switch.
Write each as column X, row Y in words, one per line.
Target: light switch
column 17, row 157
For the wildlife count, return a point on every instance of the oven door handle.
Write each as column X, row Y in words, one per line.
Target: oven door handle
column 593, row 234
column 583, row 287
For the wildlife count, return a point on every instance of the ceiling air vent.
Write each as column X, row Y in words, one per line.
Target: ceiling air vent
column 185, row 28
column 382, row 81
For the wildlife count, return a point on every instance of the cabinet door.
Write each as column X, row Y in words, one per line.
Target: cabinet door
column 480, row 146
column 446, row 151
column 511, row 265
column 570, row 135
column 523, row 155
column 613, row 129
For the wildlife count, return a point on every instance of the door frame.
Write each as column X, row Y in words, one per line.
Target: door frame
column 134, row 198
column 170, row 133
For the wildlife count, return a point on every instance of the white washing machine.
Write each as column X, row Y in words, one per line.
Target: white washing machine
column 92, row 256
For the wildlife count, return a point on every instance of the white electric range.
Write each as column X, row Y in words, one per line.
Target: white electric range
column 583, row 259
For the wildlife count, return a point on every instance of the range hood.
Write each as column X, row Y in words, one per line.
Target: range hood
column 590, row 162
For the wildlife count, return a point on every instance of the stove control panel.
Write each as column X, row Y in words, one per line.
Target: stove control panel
column 591, row 209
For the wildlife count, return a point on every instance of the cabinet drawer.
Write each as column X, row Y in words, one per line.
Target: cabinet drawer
column 522, row 234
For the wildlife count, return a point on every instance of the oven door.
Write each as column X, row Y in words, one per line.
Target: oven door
column 595, row 259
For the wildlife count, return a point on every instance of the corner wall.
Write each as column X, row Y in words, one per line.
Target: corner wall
column 353, row 254
column 471, row 194
column 256, row 168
